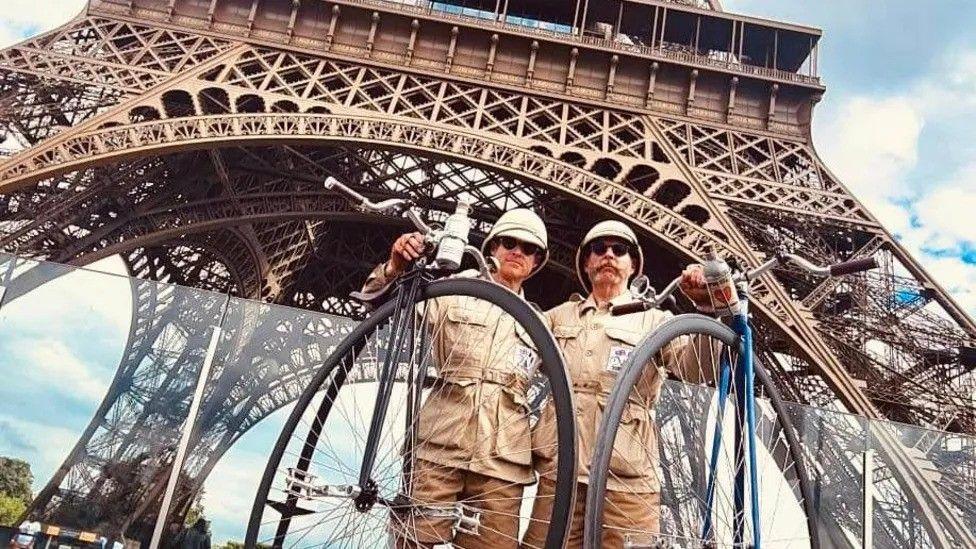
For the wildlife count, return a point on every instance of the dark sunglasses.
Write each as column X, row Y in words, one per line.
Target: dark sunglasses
column 510, row 243
column 600, row 247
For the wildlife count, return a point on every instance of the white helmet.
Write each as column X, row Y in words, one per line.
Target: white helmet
column 603, row 229
column 524, row 225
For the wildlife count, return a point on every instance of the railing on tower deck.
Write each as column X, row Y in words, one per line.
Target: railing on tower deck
column 665, row 51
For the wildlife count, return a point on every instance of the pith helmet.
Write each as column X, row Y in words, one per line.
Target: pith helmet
column 606, row 229
column 524, row 225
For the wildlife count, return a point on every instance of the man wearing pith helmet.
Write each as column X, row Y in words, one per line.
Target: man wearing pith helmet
column 473, row 442
column 596, row 345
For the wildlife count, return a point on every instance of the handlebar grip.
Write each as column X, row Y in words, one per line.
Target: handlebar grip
column 628, row 308
column 853, row 266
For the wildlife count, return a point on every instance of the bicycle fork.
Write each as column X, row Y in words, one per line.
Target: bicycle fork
column 401, row 326
column 745, row 438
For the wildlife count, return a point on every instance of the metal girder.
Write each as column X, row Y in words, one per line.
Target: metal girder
column 194, row 146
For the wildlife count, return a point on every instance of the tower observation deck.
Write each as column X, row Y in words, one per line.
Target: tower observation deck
column 190, row 138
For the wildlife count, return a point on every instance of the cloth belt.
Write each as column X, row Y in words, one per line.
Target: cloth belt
column 497, row 377
column 602, row 388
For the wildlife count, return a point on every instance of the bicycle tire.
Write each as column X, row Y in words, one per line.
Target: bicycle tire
column 681, row 325
column 551, row 365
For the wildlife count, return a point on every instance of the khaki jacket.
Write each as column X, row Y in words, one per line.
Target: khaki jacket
column 596, row 346
column 476, row 417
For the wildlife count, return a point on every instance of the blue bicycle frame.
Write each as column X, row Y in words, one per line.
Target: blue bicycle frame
column 745, row 405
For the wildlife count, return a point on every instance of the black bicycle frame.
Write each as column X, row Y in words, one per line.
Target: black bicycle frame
column 402, row 326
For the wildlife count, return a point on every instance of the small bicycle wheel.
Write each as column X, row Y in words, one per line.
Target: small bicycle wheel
column 688, row 420
column 453, row 462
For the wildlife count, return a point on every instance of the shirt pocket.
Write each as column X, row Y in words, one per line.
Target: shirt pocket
column 621, row 346
column 445, row 417
column 465, row 338
column 513, row 438
column 635, row 448
column 544, row 436
column 569, row 340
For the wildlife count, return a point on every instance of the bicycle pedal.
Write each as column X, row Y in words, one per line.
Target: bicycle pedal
column 302, row 485
column 650, row 541
column 468, row 520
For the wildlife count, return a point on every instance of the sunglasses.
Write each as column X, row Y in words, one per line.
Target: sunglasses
column 600, row 247
column 528, row 248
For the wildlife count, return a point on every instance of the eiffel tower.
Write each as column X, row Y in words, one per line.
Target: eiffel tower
column 191, row 137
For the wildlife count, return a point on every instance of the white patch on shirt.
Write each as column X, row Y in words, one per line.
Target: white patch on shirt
column 525, row 360
column 618, row 357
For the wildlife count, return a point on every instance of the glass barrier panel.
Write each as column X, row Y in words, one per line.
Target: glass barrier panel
column 266, row 357
column 833, row 447
column 918, row 469
column 809, row 465
column 99, row 372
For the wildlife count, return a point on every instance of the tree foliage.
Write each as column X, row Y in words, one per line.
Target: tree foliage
column 196, row 511
column 16, row 479
column 231, row 544
column 11, row 509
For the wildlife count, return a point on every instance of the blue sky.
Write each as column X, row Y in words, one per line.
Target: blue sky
column 895, row 123
column 895, row 126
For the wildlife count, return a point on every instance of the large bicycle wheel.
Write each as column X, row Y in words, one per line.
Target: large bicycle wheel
column 687, row 418
column 311, row 494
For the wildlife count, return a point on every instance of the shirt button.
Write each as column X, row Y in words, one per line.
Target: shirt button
column 589, row 353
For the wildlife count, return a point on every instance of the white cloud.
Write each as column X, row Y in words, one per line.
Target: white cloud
column 947, row 211
column 871, row 143
column 50, row 444
column 80, row 296
column 231, row 486
column 24, row 17
column 51, row 360
column 875, row 144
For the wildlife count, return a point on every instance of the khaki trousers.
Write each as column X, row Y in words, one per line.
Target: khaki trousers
column 624, row 513
column 437, row 485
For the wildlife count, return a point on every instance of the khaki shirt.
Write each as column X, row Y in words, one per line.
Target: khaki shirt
column 476, row 417
column 596, row 346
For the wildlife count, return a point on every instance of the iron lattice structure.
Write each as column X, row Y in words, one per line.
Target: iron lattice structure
column 190, row 137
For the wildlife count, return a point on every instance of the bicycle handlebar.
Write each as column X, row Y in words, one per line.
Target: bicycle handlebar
column 632, row 307
column 654, row 300
column 853, row 266
column 386, row 206
column 391, row 205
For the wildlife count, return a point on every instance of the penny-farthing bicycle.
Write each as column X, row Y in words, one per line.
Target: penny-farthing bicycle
column 732, row 472
column 344, row 469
